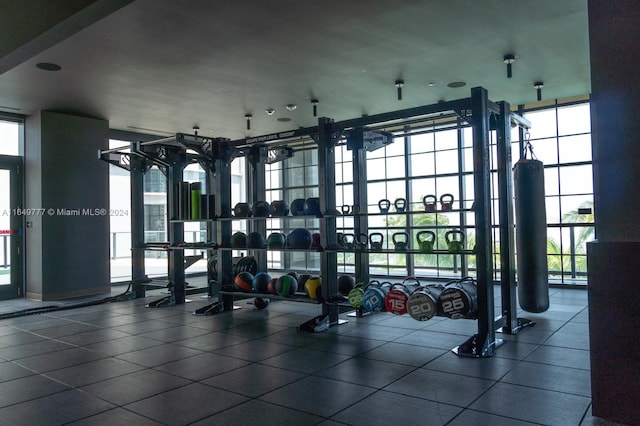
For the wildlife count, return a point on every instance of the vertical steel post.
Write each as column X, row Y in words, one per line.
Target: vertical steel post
column 327, row 192
column 222, row 187
column 482, row 344
column 138, row 276
column 360, row 221
column 505, row 199
column 177, row 162
column 462, row 167
column 257, row 191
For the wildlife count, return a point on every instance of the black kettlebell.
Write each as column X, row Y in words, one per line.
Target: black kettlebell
column 255, row 240
column 375, row 240
column 400, row 205
column 349, row 241
column 400, row 241
column 362, row 241
column 384, row 205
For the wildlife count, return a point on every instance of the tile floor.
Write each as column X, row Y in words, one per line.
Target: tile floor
column 122, row 363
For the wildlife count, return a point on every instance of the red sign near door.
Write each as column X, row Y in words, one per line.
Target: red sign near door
column 5, row 231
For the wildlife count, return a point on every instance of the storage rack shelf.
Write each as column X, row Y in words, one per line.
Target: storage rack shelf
column 172, row 154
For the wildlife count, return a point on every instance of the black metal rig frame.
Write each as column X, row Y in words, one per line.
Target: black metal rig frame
column 215, row 155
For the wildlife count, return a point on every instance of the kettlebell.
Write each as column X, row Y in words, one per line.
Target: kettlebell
column 429, row 202
column 276, row 240
column 454, row 245
column 426, row 240
column 349, row 241
column 400, row 241
column 315, row 241
column 239, row 240
column 297, row 207
column 375, row 240
column 384, row 205
column 446, row 202
column 255, row 240
column 242, row 210
column 362, row 242
column 346, row 209
column 400, row 204
column 261, row 209
column 279, row 208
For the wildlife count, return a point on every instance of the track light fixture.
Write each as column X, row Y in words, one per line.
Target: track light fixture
column 314, row 102
column 509, row 60
column 248, row 117
column 291, row 107
column 270, row 111
column 538, row 85
column 399, row 84
column 195, row 129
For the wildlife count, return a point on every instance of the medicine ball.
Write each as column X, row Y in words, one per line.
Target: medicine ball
column 212, row 270
column 302, row 279
column 261, row 209
column 299, row 238
column 297, row 207
column 279, row 208
column 271, row 287
column 313, row 288
column 242, row 210
column 312, row 207
column 261, row 282
column 255, row 240
column 239, row 240
column 286, row 285
column 244, row 282
column 294, row 274
column 346, row 284
column 276, row 240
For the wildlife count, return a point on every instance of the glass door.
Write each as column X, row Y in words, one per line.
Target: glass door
column 12, row 217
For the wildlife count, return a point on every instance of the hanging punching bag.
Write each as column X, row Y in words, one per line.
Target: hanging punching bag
column 531, row 235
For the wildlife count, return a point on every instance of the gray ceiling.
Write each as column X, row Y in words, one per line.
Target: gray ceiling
column 166, row 65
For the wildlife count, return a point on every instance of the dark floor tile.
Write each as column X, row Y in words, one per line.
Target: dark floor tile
column 542, row 324
column 220, row 322
column 116, row 416
column 42, row 323
column 185, row 405
column 212, row 341
column 172, row 334
column 492, row 368
column 294, row 337
column 472, row 417
column 532, row 405
column 400, row 353
column 347, row 345
column 305, row 360
column 388, row 408
column 10, row 371
column 366, row 372
column 94, row 336
column 460, row 327
column 256, row 330
column 317, row 395
column 27, row 388
column 134, row 387
column 404, row 321
column 531, row 335
column 432, row 339
column 255, row 350
column 60, row 359
column 143, row 327
column 551, row 377
column 203, row 366
column 260, row 412
column 56, row 409
column 123, row 345
column 288, row 320
column 568, row 339
column 19, row 338
column 372, row 331
column 66, row 330
column 7, row 330
column 158, row 355
column 513, row 349
column 92, row 372
column 32, row 349
column 562, row 357
column 590, row 420
column 442, row 387
column 111, row 320
column 253, row 380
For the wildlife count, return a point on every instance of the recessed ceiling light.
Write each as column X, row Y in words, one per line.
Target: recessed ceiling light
column 431, row 84
column 270, row 111
column 456, row 84
column 47, row 66
column 284, row 119
column 291, row 107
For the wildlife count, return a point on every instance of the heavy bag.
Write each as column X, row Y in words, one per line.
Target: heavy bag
column 531, row 235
